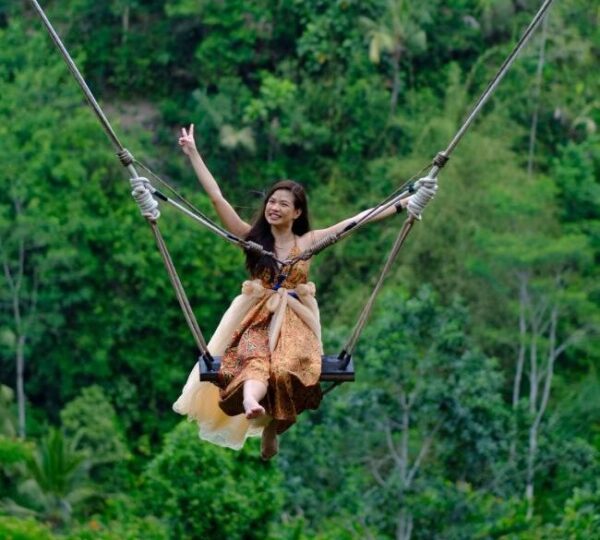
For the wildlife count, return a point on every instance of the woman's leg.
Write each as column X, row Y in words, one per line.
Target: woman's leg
column 254, row 391
column 269, row 445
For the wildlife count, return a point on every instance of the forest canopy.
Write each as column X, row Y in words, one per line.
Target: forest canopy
column 476, row 410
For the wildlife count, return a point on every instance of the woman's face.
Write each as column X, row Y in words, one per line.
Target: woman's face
column 280, row 210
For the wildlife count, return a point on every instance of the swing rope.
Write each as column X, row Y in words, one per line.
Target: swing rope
column 405, row 189
column 126, row 157
column 188, row 209
column 442, row 157
column 493, row 84
column 424, row 190
column 426, row 187
column 128, row 161
column 142, row 191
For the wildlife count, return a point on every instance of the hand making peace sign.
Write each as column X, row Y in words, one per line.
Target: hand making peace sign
column 186, row 141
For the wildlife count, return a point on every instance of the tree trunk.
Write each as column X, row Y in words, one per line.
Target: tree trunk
column 530, row 476
column 20, row 385
column 395, row 82
column 537, row 90
column 533, row 368
column 554, row 352
column 404, row 525
column 125, row 22
column 523, row 302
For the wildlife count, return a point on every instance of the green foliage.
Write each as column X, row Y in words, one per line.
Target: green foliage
column 13, row 451
column 433, row 407
column 7, row 416
column 135, row 528
column 54, row 483
column 581, row 518
column 199, row 489
column 91, row 421
column 288, row 89
column 23, row 529
column 129, row 528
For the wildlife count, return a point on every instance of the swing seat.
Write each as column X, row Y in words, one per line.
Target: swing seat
column 333, row 369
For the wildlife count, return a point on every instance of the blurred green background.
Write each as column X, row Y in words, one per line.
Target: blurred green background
column 476, row 410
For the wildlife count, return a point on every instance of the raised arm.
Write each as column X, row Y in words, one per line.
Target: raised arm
column 227, row 214
column 314, row 236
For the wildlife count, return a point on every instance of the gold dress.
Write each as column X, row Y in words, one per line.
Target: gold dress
column 271, row 334
column 291, row 371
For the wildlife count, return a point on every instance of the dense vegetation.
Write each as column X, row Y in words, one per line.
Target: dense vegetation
column 476, row 413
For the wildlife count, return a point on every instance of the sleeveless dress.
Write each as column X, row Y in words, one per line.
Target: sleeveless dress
column 271, row 333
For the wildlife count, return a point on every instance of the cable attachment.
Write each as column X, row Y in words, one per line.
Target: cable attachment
column 440, row 159
column 319, row 246
column 143, row 197
column 426, row 188
column 344, row 357
column 207, row 360
column 126, row 157
column 254, row 246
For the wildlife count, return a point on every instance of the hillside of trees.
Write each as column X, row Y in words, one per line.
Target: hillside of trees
column 476, row 409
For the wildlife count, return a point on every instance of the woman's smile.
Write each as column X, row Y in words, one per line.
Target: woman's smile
column 280, row 207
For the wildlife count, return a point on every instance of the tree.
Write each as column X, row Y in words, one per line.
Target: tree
column 545, row 271
column 91, row 421
column 201, row 489
column 398, row 33
column 32, row 264
column 425, row 418
column 55, row 482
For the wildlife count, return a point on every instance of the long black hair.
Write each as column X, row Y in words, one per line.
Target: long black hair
column 261, row 230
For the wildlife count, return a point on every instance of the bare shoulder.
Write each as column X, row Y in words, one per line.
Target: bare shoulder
column 306, row 240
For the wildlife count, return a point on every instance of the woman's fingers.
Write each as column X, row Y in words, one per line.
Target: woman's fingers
column 187, row 138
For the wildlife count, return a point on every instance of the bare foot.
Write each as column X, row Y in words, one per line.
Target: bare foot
column 269, row 445
column 253, row 409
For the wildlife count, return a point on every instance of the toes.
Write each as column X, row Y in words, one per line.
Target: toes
column 254, row 412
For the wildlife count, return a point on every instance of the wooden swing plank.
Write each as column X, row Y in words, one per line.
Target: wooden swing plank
column 332, row 369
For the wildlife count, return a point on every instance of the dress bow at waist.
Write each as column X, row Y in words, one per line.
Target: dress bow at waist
column 301, row 300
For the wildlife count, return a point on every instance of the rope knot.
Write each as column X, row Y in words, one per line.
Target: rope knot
column 143, row 197
column 440, row 159
column 126, row 157
column 426, row 189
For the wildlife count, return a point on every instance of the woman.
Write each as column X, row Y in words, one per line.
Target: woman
column 270, row 337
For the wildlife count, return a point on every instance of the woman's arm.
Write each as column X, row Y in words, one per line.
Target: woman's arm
column 228, row 216
column 314, row 236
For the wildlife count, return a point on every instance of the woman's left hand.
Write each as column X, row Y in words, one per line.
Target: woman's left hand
column 187, row 142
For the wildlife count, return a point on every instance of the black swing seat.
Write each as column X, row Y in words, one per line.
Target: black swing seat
column 332, row 369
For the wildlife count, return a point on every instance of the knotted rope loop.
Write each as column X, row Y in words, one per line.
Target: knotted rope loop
column 317, row 247
column 126, row 157
column 426, row 188
column 441, row 159
column 143, row 197
column 254, row 246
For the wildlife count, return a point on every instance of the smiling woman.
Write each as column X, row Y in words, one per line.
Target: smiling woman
column 270, row 337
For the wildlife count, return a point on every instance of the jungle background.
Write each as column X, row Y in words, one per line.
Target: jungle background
column 476, row 410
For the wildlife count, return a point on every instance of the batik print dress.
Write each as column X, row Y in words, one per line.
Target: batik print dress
column 270, row 333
